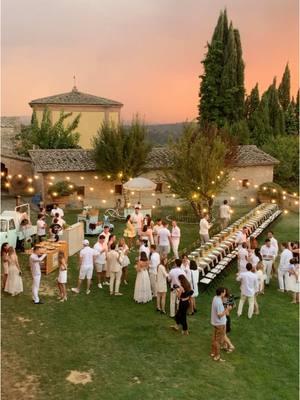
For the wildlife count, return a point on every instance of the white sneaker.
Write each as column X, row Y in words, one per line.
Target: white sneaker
column 75, row 290
column 118, row 294
column 106, row 283
column 99, row 286
column 88, row 291
column 125, row 283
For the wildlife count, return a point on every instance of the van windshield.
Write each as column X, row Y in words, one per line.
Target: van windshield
column 3, row 225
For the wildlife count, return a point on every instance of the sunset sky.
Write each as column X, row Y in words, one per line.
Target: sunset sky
column 144, row 53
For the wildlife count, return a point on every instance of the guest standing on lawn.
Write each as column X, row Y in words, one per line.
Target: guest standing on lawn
column 62, row 276
column 35, row 265
column 194, row 283
column 124, row 249
column 156, row 228
column 161, row 285
column 14, row 283
column 137, row 220
column 174, row 284
column 175, row 238
column 184, row 293
column 129, row 231
column 225, row 214
column 4, row 262
column 41, row 227
column 154, row 263
column 87, row 260
column 142, row 288
column 114, row 263
column 204, row 229
column 100, row 261
column 249, row 288
column 268, row 254
column 164, row 240
column 284, row 265
column 218, row 321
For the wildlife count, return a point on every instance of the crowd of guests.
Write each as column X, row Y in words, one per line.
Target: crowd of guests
column 153, row 241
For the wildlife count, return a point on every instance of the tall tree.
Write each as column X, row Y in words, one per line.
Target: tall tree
column 290, row 116
column 252, row 103
column 48, row 135
column 284, row 89
column 201, row 160
column 297, row 110
column 121, row 152
column 209, row 94
column 260, row 122
column 276, row 114
column 222, row 83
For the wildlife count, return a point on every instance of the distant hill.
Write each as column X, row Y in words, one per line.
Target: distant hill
column 159, row 134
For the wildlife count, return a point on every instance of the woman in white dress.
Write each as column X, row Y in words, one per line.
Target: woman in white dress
column 4, row 262
column 124, row 249
column 161, row 285
column 294, row 279
column 142, row 288
column 14, row 283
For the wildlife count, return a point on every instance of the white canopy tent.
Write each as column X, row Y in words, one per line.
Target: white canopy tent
column 139, row 185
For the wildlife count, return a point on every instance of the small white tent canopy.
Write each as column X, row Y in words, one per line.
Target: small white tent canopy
column 139, row 185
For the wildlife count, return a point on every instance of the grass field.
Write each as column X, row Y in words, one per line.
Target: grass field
column 130, row 352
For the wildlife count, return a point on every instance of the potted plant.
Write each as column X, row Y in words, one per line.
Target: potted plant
column 61, row 191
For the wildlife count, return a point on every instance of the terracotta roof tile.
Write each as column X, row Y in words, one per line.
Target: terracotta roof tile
column 76, row 97
column 159, row 157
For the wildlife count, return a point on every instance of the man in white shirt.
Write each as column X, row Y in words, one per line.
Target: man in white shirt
column 224, row 214
column 100, row 260
column 157, row 227
column 41, row 227
column 284, row 264
column 58, row 210
column 137, row 220
column 164, row 240
column 175, row 238
column 87, row 259
column 35, row 265
column 241, row 237
column 113, row 260
column 106, row 234
column 154, row 263
column 242, row 257
column 274, row 242
column 204, row 229
column 174, row 283
column 249, row 287
column 268, row 254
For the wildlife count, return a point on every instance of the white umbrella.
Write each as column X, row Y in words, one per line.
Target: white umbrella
column 139, row 185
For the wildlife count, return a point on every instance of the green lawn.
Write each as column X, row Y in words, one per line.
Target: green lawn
column 132, row 354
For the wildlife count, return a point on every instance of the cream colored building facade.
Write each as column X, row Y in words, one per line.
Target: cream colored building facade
column 94, row 111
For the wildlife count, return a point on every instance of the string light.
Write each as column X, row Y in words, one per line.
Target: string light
column 296, row 203
column 233, row 179
column 285, row 211
column 2, row 173
column 91, row 189
column 173, row 195
column 9, row 176
column 252, row 200
column 264, row 188
column 29, row 180
column 153, row 194
column 36, row 177
column 284, row 197
column 128, row 204
column 204, row 210
column 232, row 198
column 222, row 172
column 256, row 186
column 231, row 211
column 213, row 182
column 54, row 194
column 7, row 184
column 108, row 176
column 248, row 184
column 82, row 178
column 130, row 179
column 67, row 178
column 213, row 196
column 240, row 181
column 273, row 201
column 79, row 198
column 52, row 178
column 19, row 176
column 95, row 177
column 50, row 183
column 71, row 186
column 30, row 189
column 198, row 187
column 120, row 174
column 153, row 207
column 284, row 192
column 295, row 194
column 103, row 201
column 178, row 208
column 111, row 190
column 132, row 193
column 274, row 190
column 169, row 187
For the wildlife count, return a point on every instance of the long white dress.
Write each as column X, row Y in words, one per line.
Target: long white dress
column 142, row 288
column 195, row 280
column 161, row 279
column 14, row 283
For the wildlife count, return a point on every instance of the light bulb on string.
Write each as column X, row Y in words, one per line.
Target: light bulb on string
column 178, row 208
column 67, row 178
column 285, row 211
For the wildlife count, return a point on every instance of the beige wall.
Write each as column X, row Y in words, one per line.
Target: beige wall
column 98, row 191
column 90, row 121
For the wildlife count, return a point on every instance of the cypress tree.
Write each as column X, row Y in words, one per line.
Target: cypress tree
column 260, row 122
column 297, row 110
column 284, row 89
column 222, row 83
column 209, row 104
column 276, row 114
column 291, row 125
column 252, row 103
